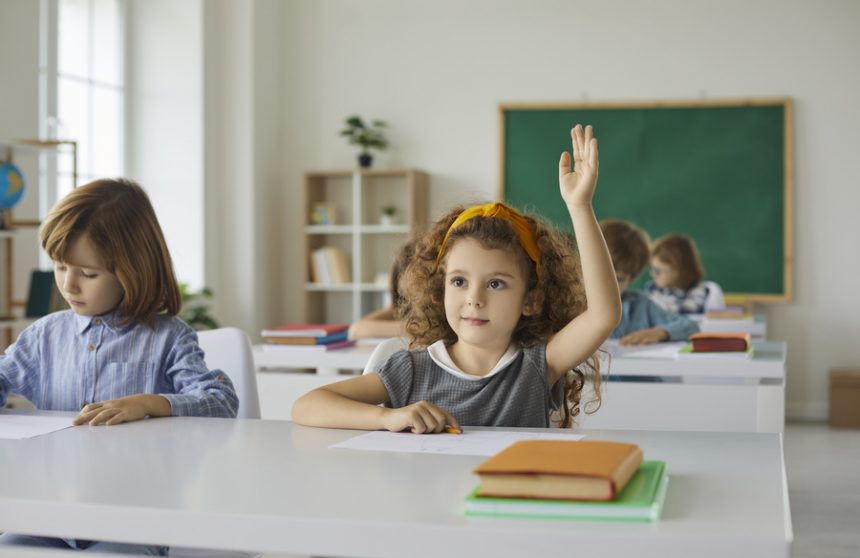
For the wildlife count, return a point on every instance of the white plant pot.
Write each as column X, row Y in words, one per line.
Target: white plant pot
column 386, row 220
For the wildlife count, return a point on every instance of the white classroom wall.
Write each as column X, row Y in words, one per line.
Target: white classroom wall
column 164, row 118
column 437, row 71
column 279, row 77
column 19, row 109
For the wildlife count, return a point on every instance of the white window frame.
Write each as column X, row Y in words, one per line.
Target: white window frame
column 49, row 76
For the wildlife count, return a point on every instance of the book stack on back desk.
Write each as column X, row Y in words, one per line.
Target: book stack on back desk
column 552, row 479
column 721, row 345
column 319, row 337
column 732, row 321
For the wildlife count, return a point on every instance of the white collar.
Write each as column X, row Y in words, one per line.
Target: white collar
column 439, row 353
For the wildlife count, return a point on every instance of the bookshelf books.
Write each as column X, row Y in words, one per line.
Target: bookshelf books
column 640, row 500
column 330, row 265
column 559, row 469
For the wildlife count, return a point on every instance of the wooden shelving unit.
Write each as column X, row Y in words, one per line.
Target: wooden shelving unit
column 356, row 198
column 11, row 308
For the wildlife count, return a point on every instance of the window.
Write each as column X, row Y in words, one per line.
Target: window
column 82, row 95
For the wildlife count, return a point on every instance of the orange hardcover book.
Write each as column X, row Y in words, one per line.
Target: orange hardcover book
column 559, row 470
column 720, row 342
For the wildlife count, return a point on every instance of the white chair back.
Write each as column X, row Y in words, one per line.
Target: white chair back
column 229, row 350
column 715, row 299
column 382, row 352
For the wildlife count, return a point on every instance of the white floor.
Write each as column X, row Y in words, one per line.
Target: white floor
column 823, row 468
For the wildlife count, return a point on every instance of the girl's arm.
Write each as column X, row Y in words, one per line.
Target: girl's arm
column 354, row 403
column 583, row 335
column 381, row 323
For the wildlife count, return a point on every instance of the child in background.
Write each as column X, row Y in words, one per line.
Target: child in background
column 642, row 321
column 120, row 354
column 496, row 308
column 384, row 322
column 677, row 273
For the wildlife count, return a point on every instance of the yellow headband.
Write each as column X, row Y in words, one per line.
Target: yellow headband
column 521, row 226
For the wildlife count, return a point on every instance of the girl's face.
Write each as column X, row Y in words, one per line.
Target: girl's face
column 89, row 288
column 484, row 294
column 664, row 275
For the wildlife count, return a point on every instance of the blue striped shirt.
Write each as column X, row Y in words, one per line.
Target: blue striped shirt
column 65, row 361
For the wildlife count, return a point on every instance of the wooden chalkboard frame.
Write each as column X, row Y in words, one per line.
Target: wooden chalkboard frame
column 746, row 298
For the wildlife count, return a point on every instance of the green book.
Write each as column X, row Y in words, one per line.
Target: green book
column 640, row 500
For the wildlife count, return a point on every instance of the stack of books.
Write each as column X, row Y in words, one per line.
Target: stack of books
column 310, row 336
column 727, row 312
column 558, row 479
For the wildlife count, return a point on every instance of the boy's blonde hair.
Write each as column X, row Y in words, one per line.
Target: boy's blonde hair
column 118, row 218
column 679, row 251
column 627, row 245
column 556, row 297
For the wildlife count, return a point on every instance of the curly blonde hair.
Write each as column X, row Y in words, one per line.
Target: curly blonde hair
column 422, row 286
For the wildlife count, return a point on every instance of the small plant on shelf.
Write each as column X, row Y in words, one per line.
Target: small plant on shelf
column 387, row 213
column 367, row 137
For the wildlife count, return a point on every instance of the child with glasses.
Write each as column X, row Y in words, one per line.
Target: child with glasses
column 642, row 320
column 677, row 273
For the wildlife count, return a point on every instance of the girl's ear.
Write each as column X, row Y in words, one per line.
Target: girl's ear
column 533, row 303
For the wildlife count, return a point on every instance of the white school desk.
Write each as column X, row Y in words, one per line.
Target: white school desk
column 701, row 393
column 273, row 486
column 707, row 394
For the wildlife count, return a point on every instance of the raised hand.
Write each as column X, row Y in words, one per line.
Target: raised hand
column 577, row 183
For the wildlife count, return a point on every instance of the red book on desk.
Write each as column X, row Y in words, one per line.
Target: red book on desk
column 720, row 342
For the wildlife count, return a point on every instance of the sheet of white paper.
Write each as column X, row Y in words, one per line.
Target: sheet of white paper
column 16, row 427
column 659, row 351
column 470, row 442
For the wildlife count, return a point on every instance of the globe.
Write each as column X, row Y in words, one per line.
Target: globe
column 11, row 186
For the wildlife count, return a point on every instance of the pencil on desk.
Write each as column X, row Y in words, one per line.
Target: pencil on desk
column 452, row 430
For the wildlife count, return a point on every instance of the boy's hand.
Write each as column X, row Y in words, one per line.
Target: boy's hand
column 577, row 184
column 124, row 409
column 419, row 418
column 645, row 336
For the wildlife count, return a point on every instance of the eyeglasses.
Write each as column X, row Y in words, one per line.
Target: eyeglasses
column 657, row 271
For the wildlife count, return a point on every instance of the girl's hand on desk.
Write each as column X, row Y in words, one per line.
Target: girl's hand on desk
column 645, row 336
column 577, row 183
column 124, row 409
column 418, row 418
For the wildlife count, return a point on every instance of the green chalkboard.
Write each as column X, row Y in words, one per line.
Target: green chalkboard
column 718, row 171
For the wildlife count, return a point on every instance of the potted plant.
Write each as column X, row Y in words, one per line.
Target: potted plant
column 195, row 307
column 368, row 137
column 386, row 214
